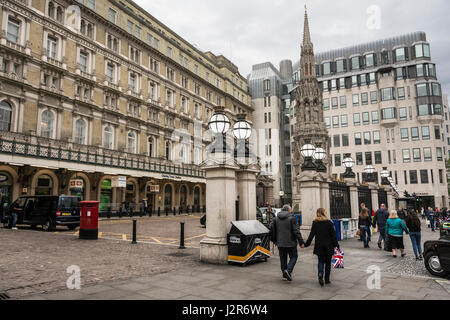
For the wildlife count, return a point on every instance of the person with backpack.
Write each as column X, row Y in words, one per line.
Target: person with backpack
column 323, row 231
column 285, row 234
column 364, row 224
column 413, row 224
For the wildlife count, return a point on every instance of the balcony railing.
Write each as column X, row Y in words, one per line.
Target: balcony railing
column 42, row 148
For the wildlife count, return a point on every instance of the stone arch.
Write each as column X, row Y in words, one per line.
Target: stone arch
column 87, row 191
column 136, row 188
column 184, row 196
column 49, row 173
column 169, row 203
column 14, row 104
column 15, row 181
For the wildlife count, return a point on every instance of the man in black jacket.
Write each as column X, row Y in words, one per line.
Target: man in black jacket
column 380, row 219
column 287, row 235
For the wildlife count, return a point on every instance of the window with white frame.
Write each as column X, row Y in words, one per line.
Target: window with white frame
column 13, row 30
column 5, row 116
column 108, row 137
column 52, row 45
column 80, row 131
column 135, row 55
column 168, row 150
column 110, row 72
column 151, row 147
column 47, row 124
column 112, row 14
column 131, row 142
column 84, row 61
column 55, row 11
column 112, row 43
column 87, row 28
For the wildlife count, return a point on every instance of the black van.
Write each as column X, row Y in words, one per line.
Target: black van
column 47, row 211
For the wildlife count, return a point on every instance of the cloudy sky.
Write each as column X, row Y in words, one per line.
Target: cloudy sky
column 254, row 31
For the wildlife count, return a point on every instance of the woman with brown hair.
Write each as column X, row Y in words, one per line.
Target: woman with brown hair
column 323, row 230
column 364, row 224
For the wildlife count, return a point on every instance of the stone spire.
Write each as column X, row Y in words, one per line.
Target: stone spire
column 307, row 55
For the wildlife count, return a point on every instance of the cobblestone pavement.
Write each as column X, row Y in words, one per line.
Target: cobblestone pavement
column 114, row 269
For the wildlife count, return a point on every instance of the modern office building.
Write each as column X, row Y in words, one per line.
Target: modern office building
column 446, row 125
column 100, row 99
column 383, row 106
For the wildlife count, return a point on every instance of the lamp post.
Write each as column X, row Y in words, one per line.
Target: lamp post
column 349, row 163
column 384, row 175
column 319, row 156
column 369, row 171
column 219, row 124
column 308, row 151
column 242, row 132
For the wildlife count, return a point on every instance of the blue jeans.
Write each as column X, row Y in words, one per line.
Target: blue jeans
column 365, row 233
column 415, row 240
column 297, row 218
column 324, row 263
column 293, row 256
column 14, row 217
column 432, row 222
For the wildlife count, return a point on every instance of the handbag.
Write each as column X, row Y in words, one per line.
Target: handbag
column 338, row 259
column 358, row 232
column 387, row 243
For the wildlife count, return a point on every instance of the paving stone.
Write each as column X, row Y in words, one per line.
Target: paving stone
column 162, row 294
column 379, row 296
column 410, row 294
column 317, row 294
column 95, row 289
column 270, row 295
column 108, row 295
column 344, row 297
column 132, row 286
column 64, row 295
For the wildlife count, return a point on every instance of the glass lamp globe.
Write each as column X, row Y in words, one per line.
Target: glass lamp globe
column 242, row 130
column 320, row 154
column 349, row 163
column 308, row 151
column 369, row 169
column 385, row 174
column 219, row 123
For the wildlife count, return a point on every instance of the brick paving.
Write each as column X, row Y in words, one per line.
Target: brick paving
column 34, row 263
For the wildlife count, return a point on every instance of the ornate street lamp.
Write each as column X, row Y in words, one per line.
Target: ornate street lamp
column 219, row 124
column 349, row 163
column 319, row 156
column 369, row 171
column 242, row 132
column 384, row 175
column 307, row 152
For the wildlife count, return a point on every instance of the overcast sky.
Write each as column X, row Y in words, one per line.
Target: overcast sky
column 254, row 31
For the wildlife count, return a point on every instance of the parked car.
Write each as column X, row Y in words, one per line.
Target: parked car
column 47, row 211
column 437, row 253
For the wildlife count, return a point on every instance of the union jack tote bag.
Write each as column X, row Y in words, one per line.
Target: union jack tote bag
column 338, row 259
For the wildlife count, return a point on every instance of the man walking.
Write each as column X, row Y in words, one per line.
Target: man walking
column 287, row 234
column 432, row 218
column 401, row 213
column 380, row 218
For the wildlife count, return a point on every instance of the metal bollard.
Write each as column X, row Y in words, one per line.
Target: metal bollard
column 134, row 232
column 182, row 236
column 150, row 211
column 180, row 210
column 159, row 211
column 167, row 211
column 174, row 211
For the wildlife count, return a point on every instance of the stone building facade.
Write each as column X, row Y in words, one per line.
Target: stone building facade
column 102, row 95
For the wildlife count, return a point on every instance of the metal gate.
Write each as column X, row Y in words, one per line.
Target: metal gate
column 340, row 201
column 382, row 198
column 365, row 196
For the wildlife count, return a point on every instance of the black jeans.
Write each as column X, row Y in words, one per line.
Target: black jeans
column 325, row 263
column 293, row 256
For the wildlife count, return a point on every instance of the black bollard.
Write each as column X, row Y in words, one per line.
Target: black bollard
column 182, row 236
column 167, row 211
column 134, row 232
column 180, row 210
column 174, row 211
column 159, row 211
column 150, row 209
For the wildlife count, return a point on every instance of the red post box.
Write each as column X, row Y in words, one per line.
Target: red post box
column 89, row 220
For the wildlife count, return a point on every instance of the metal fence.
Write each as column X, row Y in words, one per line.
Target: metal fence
column 365, row 196
column 110, row 210
column 382, row 198
column 340, row 207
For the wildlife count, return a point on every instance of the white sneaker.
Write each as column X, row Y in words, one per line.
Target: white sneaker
column 14, row 228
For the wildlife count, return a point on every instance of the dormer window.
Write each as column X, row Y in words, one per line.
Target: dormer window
column 422, row 50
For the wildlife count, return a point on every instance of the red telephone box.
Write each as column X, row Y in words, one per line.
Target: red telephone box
column 89, row 220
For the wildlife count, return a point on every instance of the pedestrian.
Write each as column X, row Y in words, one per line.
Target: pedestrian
column 287, row 236
column 269, row 213
column 413, row 224
column 401, row 213
column 394, row 230
column 422, row 212
column 363, row 206
column 364, row 224
column 379, row 220
column 432, row 218
column 323, row 231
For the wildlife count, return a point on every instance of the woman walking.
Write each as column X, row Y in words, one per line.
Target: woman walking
column 394, row 230
column 413, row 224
column 364, row 224
column 323, row 230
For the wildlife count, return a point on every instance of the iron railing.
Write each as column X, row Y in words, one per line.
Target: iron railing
column 340, row 207
column 365, row 196
column 42, row 148
column 382, row 198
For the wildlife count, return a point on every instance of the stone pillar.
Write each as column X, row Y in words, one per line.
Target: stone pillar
column 246, row 186
column 325, row 194
column 374, row 193
column 220, row 203
column 391, row 200
column 309, row 185
column 354, row 200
